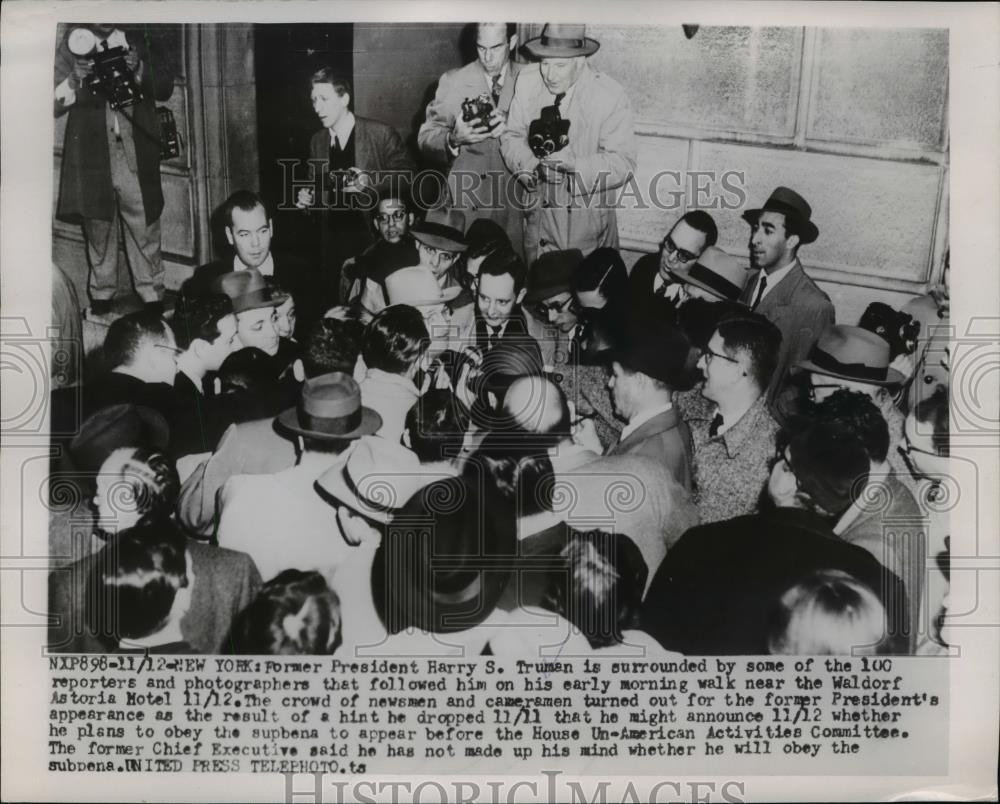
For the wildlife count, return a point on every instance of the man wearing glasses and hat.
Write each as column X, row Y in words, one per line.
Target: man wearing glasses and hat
column 570, row 140
column 780, row 289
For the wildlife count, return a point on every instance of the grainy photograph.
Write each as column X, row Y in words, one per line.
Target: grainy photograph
column 452, row 397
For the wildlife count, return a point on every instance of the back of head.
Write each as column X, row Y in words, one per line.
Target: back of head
column 149, row 480
column 134, row 582
column 484, row 237
column 127, row 334
column 517, row 468
column 333, row 345
column 294, row 613
column 395, row 339
column 758, row 338
column 704, row 223
column 934, row 410
column 829, row 613
column 197, row 318
column 604, row 271
column 699, row 318
column 437, row 424
column 538, row 406
column 249, row 370
column 829, row 462
column 856, row 411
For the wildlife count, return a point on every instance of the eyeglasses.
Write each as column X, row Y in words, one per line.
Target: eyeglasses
column 709, row 355
column 544, row 308
column 670, row 247
column 906, row 448
column 392, row 217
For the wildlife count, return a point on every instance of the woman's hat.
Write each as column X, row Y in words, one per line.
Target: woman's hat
column 418, row 287
column 330, row 410
column 852, row 353
column 559, row 40
column 442, row 228
column 248, row 290
column 791, row 204
column 717, row 272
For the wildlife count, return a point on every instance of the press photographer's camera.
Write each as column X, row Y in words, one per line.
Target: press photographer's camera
column 478, row 109
column 111, row 77
column 549, row 133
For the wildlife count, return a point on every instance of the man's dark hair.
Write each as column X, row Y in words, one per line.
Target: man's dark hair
column 604, row 272
column 395, row 339
column 396, row 191
column 126, row 335
column 437, row 423
column 754, row 335
column 934, row 409
column 248, row 370
column 704, row 223
column 829, row 462
column 858, row 413
column 333, row 345
column 197, row 318
column 505, row 261
column 342, row 86
column 520, row 470
column 245, row 200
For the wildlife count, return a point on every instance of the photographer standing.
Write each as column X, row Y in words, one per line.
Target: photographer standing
column 570, row 140
column 111, row 157
column 478, row 182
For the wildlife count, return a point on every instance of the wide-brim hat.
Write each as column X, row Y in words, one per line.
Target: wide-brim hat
column 789, row 203
column 852, row 353
column 375, row 478
column 442, row 228
column 248, row 290
column 716, row 272
column 418, row 287
column 559, row 40
column 444, row 560
column 330, row 409
column 116, row 427
column 552, row 273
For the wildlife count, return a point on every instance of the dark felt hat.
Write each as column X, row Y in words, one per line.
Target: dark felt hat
column 442, row 228
column 561, row 40
column 552, row 273
column 444, row 561
column 115, row 427
column 792, row 205
column 330, row 410
column 656, row 348
column 485, row 232
column 247, row 290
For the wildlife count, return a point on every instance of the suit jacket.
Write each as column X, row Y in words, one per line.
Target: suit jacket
column 715, row 591
column 640, row 285
column 664, row 438
column 115, row 388
column 245, row 448
column 377, row 147
column 281, row 521
column 85, row 189
column 225, row 582
column 602, row 144
column 802, row 312
column 486, row 179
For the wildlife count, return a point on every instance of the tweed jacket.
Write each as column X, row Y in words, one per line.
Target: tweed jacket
column 478, row 182
column 666, row 439
column 225, row 582
column 802, row 312
column 579, row 211
column 85, row 189
column 732, row 468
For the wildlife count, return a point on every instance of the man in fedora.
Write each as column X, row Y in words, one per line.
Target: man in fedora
column 279, row 519
column 780, row 289
column 254, row 303
column 573, row 183
column 478, row 182
column 554, row 314
column 448, row 326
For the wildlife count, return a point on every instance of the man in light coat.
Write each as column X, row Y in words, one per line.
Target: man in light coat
column 573, row 189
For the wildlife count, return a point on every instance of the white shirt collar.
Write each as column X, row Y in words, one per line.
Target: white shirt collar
column 266, row 268
column 641, row 418
column 773, row 279
column 342, row 130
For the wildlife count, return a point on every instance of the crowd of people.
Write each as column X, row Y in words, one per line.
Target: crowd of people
column 480, row 427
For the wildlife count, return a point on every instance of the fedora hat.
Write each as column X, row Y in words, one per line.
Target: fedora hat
column 442, row 228
column 656, row 348
column 717, row 272
column 560, row 40
column 113, row 428
column 852, row 353
column 376, row 478
column 247, row 290
column 330, row 410
column 444, row 560
column 552, row 273
column 790, row 204
column 418, row 287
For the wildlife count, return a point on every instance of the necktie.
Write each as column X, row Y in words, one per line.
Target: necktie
column 336, row 144
column 492, row 334
column 760, row 291
column 661, row 291
column 713, row 428
column 496, row 90
column 559, row 99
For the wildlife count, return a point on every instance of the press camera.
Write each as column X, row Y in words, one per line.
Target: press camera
column 478, row 109
column 549, row 133
column 111, row 76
